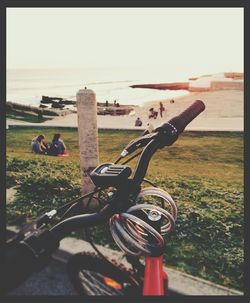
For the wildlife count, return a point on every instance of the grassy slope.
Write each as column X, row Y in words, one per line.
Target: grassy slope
column 212, row 155
column 202, row 171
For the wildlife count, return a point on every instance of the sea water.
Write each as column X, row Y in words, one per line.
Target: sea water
column 27, row 86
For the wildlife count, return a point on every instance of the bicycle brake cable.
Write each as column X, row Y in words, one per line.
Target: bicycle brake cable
column 77, row 203
column 131, row 158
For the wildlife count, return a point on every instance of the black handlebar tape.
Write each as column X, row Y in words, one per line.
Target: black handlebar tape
column 182, row 120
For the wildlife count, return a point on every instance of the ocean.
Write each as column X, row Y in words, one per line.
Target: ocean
column 27, row 86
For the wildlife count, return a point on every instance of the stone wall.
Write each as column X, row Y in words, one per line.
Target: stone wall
column 199, row 89
column 236, row 76
column 227, row 85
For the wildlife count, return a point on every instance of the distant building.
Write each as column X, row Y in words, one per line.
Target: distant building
column 222, row 81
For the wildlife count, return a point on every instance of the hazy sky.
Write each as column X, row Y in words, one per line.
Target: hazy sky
column 210, row 39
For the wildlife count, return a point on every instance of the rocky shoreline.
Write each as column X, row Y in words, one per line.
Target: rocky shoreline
column 228, row 85
column 22, row 108
column 102, row 109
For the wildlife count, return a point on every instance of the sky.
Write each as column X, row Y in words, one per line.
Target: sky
column 207, row 39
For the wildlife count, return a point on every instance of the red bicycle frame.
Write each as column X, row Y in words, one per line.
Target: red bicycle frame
column 155, row 279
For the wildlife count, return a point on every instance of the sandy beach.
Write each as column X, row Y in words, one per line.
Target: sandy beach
column 224, row 112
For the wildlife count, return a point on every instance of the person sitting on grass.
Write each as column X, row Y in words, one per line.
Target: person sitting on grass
column 38, row 145
column 57, row 146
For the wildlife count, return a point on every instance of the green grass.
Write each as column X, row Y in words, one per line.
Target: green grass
column 24, row 116
column 203, row 171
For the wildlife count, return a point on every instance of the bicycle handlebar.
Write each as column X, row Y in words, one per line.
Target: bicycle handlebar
column 166, row 135
column 34, row 252
column 182, row 120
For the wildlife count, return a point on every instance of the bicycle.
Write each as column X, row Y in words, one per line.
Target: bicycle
column 136, row 224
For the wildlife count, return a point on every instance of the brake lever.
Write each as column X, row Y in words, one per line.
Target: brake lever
column 148, row 130
column 39, row 223
column 45, row 219
column 137, row 143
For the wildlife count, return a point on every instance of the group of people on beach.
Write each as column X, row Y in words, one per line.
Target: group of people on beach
column 55, row 148
column 115, row 103
column 152, row 114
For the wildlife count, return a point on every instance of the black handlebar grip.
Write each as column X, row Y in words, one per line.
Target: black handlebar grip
column 182, row 120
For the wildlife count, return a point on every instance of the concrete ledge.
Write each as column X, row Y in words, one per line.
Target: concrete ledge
column 179, row 282
column 39, row 126
column 191, row 129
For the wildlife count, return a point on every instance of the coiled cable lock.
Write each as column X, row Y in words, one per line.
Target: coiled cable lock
column 137, row 236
